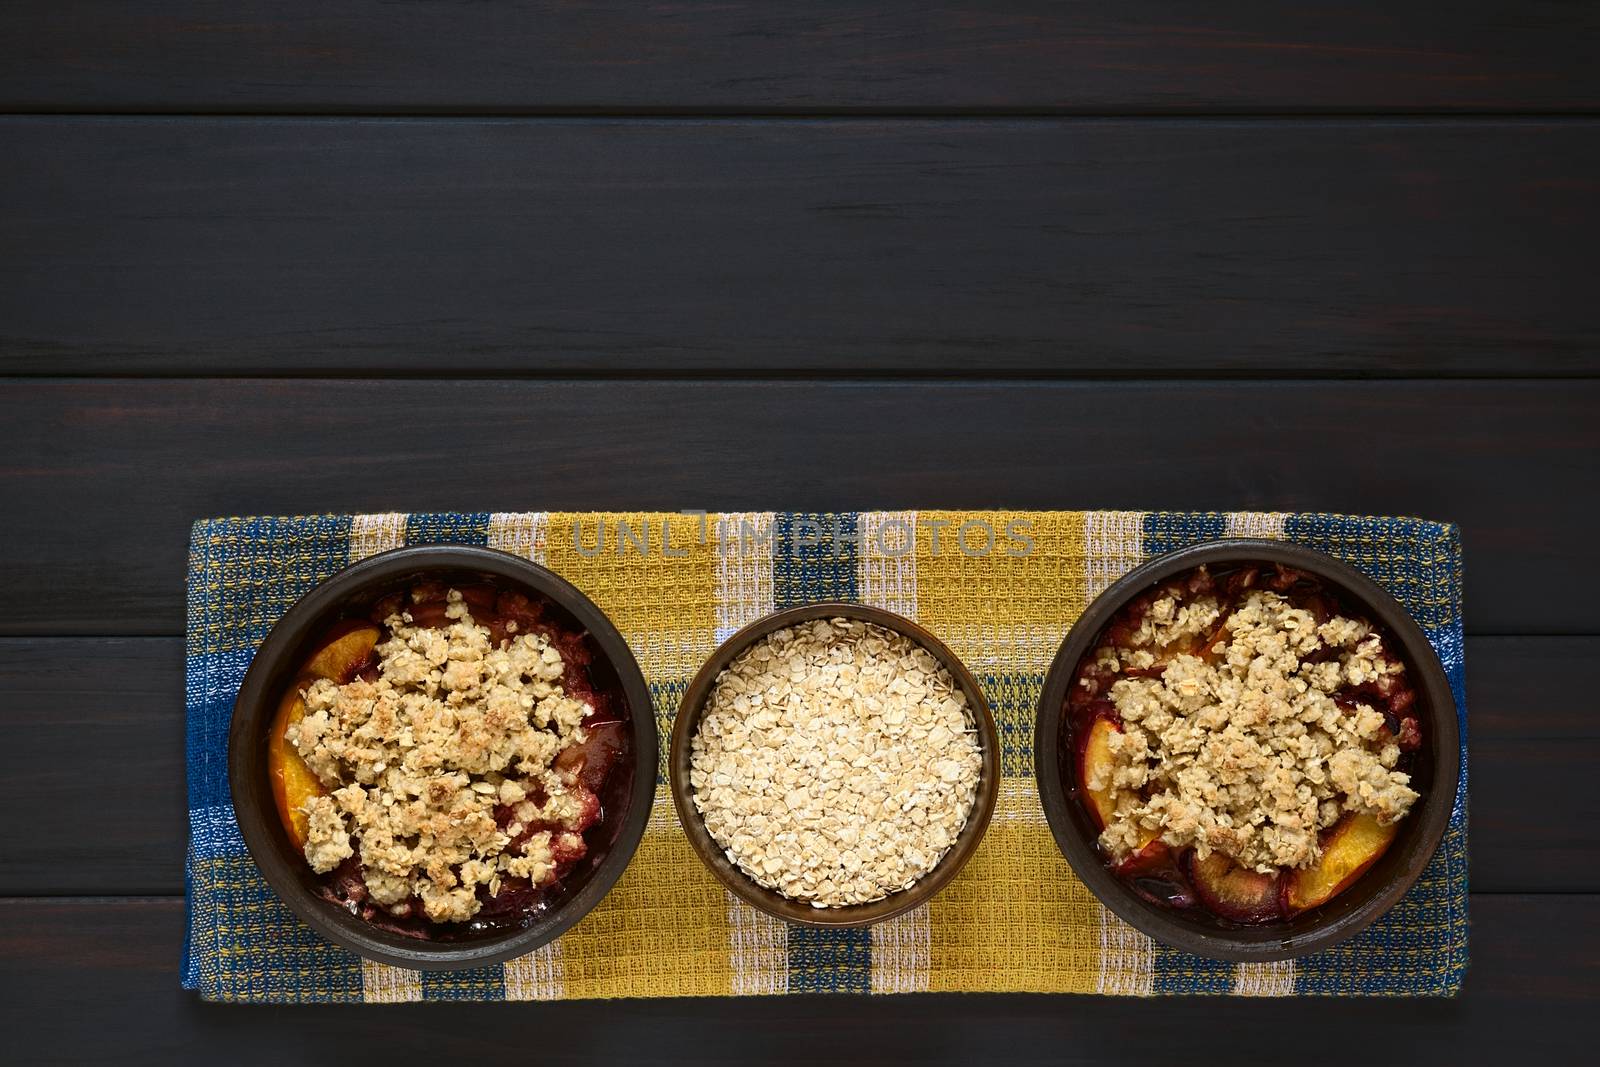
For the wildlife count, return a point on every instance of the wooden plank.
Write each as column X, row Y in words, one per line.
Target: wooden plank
column 93, row 979
column 808, row 55
column 1532, row 748
column 119, row 468
column 95, row 761
column 965, row 247
column 1532, row 688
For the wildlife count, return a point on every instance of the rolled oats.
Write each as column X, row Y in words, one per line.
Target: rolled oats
column 835, row 762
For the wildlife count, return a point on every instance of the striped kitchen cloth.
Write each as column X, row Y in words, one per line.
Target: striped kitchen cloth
column 1000, row 588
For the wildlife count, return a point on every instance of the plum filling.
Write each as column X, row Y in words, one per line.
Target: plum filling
column 583, row 772
column 1166, row 645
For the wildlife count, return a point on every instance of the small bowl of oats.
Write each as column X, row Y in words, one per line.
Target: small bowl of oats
column 442, row 757
column 834, row 765
column 1247, row 749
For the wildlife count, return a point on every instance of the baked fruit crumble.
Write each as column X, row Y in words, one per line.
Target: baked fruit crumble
column 1244, row 742
column 836, row 762
column 440, row 760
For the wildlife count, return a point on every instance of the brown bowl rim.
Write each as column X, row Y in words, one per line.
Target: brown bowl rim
column 1356, row 908
column 771, row 902
column 261, row 688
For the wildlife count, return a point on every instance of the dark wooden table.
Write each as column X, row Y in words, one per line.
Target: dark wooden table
column 361, row 255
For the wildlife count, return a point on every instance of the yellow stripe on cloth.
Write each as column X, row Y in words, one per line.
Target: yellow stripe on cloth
column 648, row 940
column 1015, row 919
column 652, row 573
column 1009, row 608
column 655, row 575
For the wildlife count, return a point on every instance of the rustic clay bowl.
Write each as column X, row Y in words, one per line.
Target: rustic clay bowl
column 800, row 912
column 1353, row 910
column 627, row 798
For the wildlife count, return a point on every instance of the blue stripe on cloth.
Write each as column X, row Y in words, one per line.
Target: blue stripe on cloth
column 1179, row 972
column 814, row 558
column 1401, row 952
column 829, row 961
column 477, row 983
column 1014, row 700
column 245, row 573
column 1418, row 562
column 189, row 964
column 1168, row 531
column 246, row 944
column 448, row 528
column 213, row 682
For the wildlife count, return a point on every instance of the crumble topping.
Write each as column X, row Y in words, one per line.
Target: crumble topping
column 1237, row 744
column 417, row 760
column 836, row 762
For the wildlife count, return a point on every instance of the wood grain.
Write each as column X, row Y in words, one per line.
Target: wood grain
column 853, row 247
column 806, row 55
column 93, row 979
column 114, row 471
column 95, row 760
column 126, row 695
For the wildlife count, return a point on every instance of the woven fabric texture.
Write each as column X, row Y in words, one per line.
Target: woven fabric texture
column 1001, row 588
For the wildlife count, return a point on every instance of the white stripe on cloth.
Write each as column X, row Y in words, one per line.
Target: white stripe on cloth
column 1127, row 958
column 382, row 983
column 540, row 975
column 371, row 534
column 1267, row 524
column 521, row 533
column 902, row 953
column 886, row 561
column 1264, row 979
column 745, row 543
column 1114, row 546
column 758, row 950
column 758, row 947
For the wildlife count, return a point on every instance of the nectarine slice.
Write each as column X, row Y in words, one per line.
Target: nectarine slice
column 293, row 783
column 343, row 651
column 1234, row 892
column 1353, row 845
column 1151, row 856
column 1096, row 763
